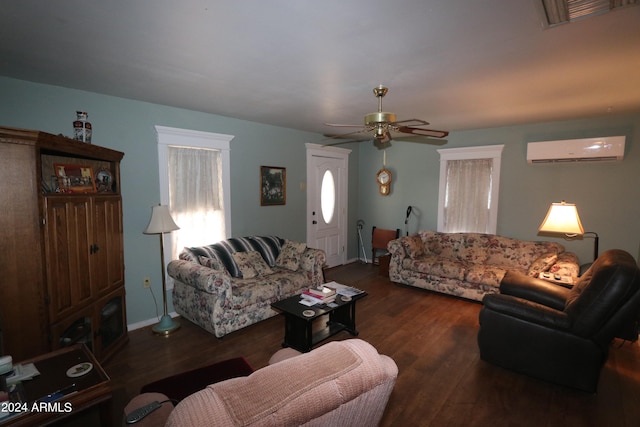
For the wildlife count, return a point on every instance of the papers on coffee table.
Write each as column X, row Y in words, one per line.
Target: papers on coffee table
column 347, row 291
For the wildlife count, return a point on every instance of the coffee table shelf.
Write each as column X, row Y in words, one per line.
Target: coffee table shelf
column 299, row 329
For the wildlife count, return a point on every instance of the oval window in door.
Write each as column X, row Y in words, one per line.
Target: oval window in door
column 328, row 196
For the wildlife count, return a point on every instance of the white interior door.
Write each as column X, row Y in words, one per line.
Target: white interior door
column 327, row 183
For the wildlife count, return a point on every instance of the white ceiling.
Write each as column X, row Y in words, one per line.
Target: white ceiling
column 459, row 64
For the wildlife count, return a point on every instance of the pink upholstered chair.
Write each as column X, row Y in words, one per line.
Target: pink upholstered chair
column 344, row 383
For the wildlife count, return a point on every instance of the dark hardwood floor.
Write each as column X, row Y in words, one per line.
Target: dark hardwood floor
column 431, row 337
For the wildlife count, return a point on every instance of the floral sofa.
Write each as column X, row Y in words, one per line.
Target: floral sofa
column 231, row 284
column 470, row 265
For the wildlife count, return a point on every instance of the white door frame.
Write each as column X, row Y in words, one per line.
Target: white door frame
column 315, row 150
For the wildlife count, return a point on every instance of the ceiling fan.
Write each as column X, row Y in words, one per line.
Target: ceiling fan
column 380, row 126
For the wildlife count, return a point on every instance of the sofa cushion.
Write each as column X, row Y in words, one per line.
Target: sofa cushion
column 436, row 266
column 542, row 264
column 519, row 254
column 249, row 292
column 251, row 264
column 566, row 265
column 472, row 247
column 468, row 247
column 413, row 246
column 287, row 282
column 281, row 283
column 489, row 275
column 290, row 255
column 212, row 263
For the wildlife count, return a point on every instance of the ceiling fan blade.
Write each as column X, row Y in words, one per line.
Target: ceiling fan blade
column 421, row 140
column 356, row 136
column 424, row 132
column 330, row 144
column 340, row 125
column 409, row 123
column 351, row 135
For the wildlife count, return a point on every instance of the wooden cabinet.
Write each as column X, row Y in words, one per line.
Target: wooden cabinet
column 83, row 250
column 62, row 279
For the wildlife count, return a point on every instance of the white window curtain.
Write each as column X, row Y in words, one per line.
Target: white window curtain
column 468, row 195
column 196, row 196
column 469, row 189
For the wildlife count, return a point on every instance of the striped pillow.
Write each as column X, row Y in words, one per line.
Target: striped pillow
column 267, row 246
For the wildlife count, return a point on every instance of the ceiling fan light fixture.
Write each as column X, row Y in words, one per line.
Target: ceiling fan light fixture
column 372, row 119
column 381, row 131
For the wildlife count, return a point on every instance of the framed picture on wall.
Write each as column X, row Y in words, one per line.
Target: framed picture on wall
column 75, row 178
column 273, row 186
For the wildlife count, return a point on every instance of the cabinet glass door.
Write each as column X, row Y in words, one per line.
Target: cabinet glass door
column 78, row 329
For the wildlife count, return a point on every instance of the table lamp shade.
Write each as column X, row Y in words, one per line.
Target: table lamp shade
column 562, row 218
column 161, row 221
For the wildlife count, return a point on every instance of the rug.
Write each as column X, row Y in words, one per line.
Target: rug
column 179, row 386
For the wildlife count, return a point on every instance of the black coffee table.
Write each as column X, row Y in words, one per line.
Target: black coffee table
column 298, row 328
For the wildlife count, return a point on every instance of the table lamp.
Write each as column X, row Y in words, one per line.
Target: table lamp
column 161, row 223
column 563, row 218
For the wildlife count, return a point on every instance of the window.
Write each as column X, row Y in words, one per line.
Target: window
column 469, row 182
column 196, row 196
column 328, row 196
column 195, row 184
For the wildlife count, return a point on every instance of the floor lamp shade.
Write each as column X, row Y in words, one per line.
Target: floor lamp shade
column 562, row 218
column 160, row 223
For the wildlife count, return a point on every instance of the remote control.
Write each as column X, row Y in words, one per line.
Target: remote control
column 142, row 412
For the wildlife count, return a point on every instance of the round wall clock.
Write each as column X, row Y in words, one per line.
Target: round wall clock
column 383, row 178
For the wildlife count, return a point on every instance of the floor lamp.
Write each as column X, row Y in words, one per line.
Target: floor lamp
column 563, row 218
column 160, row 223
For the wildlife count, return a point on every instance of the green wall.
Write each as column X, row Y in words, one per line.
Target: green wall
column 128, row 126
column 607, row 194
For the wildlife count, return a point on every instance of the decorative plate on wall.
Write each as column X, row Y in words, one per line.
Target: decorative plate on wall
column 104, row 180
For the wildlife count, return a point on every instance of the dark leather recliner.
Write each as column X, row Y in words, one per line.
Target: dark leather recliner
column 557, row 334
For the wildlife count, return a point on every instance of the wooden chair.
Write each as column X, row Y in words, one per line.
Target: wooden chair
column 379, row 240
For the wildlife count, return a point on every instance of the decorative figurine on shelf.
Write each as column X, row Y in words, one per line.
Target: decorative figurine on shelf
column 82, row 128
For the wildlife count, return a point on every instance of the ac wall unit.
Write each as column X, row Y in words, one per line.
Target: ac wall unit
column 609, row 148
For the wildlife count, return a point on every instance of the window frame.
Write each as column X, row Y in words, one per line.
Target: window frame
column 493, row 152
column 167, row 137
